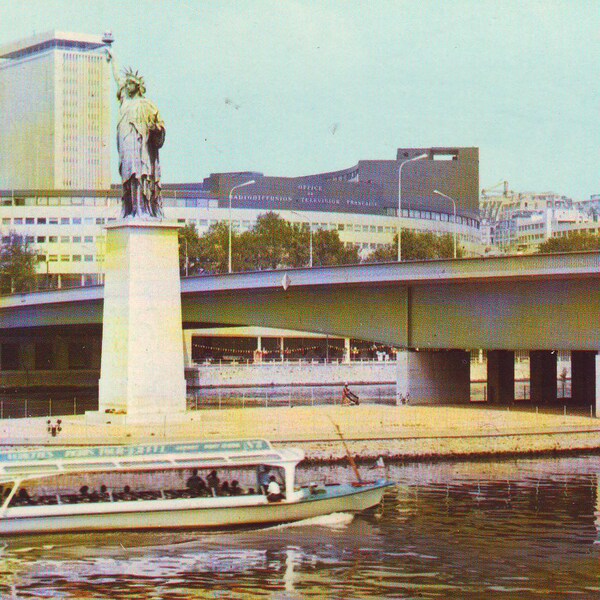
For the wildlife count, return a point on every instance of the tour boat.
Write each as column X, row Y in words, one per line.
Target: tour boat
column 160, row 486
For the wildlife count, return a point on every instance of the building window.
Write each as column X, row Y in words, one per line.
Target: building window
column 88, row 239
column 65, row 221
column 41, row 239
column 77, row 239
column 89, row 258
column 41, row 221
column 64, row 239
column 76, row 258
column 29, row 221
column 53, row 239
column 53, row 221
column 18, row 221
column 76, row 221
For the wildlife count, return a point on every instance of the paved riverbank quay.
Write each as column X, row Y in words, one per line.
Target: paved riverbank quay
column 402, row 433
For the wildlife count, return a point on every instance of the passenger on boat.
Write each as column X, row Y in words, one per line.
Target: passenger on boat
column 263, row 478
column 103, row 496
column 225, row 490
column 23, row 497
column 84, row 495
column 127, row 494
column 274, row 491
column 196, row 484
column 235, row 489
column 213, row 482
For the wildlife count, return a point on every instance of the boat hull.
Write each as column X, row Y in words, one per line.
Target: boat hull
column 197, row 513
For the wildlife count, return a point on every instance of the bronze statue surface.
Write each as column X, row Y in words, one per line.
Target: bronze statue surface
column 140, row 135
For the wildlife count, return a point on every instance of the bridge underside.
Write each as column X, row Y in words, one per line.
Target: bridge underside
column 442, row 309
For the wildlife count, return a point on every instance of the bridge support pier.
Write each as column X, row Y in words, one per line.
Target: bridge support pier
column 433, row 377
column 542, row 376
column 585, row 377
column 500, row 376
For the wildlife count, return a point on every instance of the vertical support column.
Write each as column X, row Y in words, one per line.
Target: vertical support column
column 282, row 348
column 187, row 348
column 500, row 376
column 434, row 377
column 401, row 376
column 346, row 350
column 543, row 374
column 583, row 378
column 61, row 353
column 597, row 406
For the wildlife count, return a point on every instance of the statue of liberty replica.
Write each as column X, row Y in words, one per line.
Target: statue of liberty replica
column 142, row 370
column 140, row 135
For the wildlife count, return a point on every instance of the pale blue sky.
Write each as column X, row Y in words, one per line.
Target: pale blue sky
column 293, row 87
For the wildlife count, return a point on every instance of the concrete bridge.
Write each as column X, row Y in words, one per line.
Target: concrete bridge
column 436, row 310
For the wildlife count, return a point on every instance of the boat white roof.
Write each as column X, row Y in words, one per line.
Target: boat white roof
column 46, row 461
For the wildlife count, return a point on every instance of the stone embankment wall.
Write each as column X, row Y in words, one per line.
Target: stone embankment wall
column 291, row 373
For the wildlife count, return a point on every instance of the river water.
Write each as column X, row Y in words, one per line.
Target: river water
column 515, row 529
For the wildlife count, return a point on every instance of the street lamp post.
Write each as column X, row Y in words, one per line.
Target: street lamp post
column 235, row 187
column 454, row 208
column 421, row 156
column 310, row 260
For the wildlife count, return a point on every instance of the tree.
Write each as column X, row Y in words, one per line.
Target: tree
column 417, row 246
column 575, row 242
column 272, row 236
column 17, row 264
column 329, row 250
column 189, row 251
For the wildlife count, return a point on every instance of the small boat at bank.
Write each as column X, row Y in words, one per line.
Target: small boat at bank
column 204, row 485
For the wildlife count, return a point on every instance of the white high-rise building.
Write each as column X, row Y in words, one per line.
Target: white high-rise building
column 54, row 113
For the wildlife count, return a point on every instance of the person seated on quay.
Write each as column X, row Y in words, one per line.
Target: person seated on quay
column 274, row 490
column 349, row 398
column 213, row 482
column 235, row 489
column 195, row 484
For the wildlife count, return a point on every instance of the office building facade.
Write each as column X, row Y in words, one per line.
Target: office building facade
column 55, row 113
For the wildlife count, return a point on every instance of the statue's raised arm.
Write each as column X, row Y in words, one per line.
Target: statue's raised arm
column 140, row 135
column 115, row 69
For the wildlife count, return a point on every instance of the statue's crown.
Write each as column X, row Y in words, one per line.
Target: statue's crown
column 132, row 75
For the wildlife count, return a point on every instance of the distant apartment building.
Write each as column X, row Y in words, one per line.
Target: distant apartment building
column 520, row 222
column 54, row 113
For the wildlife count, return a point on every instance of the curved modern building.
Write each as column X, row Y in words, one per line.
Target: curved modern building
column 370, row 187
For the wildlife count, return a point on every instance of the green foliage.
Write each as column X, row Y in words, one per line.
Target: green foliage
column 189, row 250
column 17, row 265
column 272, row 243
column 575, row 242
column 329, row 250
column 417, row 246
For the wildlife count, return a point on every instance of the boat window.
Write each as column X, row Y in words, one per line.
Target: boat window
column 143, row 464
column 30, row 468
column 200, row 461
column 253, row 457
column 86, row 466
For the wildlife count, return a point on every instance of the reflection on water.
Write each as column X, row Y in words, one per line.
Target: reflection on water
column 514, row 529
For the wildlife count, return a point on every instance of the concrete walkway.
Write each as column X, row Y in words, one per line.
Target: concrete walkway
column 407, row 432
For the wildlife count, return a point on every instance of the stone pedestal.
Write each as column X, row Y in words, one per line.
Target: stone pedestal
column 142, row 368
